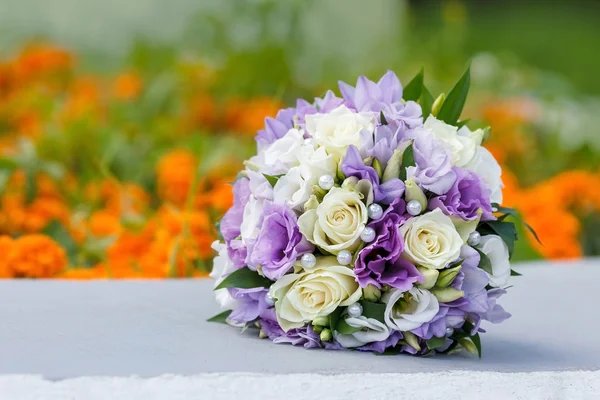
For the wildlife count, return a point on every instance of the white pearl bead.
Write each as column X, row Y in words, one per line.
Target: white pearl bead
column 326, row 182
column 344, row 257
column 355, row 310
column 474, row 238
column 375, row 211
column 414, row 207
column 368, row 235
column 269, row 299
column 449, row 331
column 308, row 260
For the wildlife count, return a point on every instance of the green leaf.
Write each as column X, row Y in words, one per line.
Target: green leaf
column 435, row 342
column 373, row 310
column 484, row 263
column 530, row 229
column 506, row 230
column 515, row 273
column 477, row 342
column 244, row 278
column 412, row 91
column 62, row 236
column 460, row 124
column 334, row 317
column 221, row 317
column 345, row 329
column 408, row 160
column 426, row 100
column 504, row 210
column 455, row 101
column 7, row 164
column 382, row 118
column 273, row 178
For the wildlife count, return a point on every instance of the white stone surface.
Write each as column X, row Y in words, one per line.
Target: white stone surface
column 457, row 385
column 64, row 330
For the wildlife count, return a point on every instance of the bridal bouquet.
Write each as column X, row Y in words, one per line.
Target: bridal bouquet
column 369, row 221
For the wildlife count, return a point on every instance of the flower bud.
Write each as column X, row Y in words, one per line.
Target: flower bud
column 321, row 321
column 262, row 334
column 317, row 329
column 437, row 104
column 412, row 340
column 349, row 183
column 447, row 277
column 414, row 192
column 448, row 294
column 468, row 345
column 392, row 170
column 371, row 293
column 377, row 167
column 430, row 276
column 339, row 174
column 326, row 335
column 318, row 191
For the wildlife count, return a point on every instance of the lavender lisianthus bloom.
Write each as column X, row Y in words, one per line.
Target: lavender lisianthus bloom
column 279, row 242
column 379, row 262
column 232, row 220
column 467, row 196
column 380, row 347
column 321, row 105
column 252, row 304
column 384, row 96
column 433, row 170
column 275, row 128
column 353, row 165
column 446, row 317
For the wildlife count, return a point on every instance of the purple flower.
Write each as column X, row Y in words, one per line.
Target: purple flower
column 433, row 161
column 232, row 221
column 496, row 313
column 445, row 318
column 279, row 242
column 465, row 198
column 379, row 262
column 380, row 347
column 251, row 304
column 275, row 128
column 385, row 193
column 326, row 104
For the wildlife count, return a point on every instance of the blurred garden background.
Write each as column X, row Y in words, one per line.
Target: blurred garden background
column 122, row 123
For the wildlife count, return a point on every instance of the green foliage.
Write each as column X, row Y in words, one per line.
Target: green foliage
column 456, row 99
column 244, row 278
column 221, row 317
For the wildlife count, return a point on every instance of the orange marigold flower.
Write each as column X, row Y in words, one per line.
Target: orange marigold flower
column 174, row 174
column 96, row 272
column 202, row 112
column 249, row 116
column 6, row 244
column 103, row 223
column 127, row 86
column 36, row 256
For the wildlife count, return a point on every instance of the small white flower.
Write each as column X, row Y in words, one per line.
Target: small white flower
column 405, row 311
column 339, row 129
column 222, row 266
column 252, row 212
column 431, row 240
column 463, row 143
column 485, row 165
column 497, row 251
column 371, row 330
column 313, row 293
column 284, row 151
column 292, row 189
column 337, row 223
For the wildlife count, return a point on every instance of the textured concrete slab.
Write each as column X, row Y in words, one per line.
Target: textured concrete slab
column 62, row 329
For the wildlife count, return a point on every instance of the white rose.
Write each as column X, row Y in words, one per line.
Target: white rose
column 292, row 189
column 284, row 151
column 463, row 143
column 497, row 251
column 252, row 212
column 405, row 311
column 336, row 223
column 371, row 330
column 485, row 165
column 295, row 187
column 316, row 292
column 431, row 240
column 222, row 266
column 339, row 129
